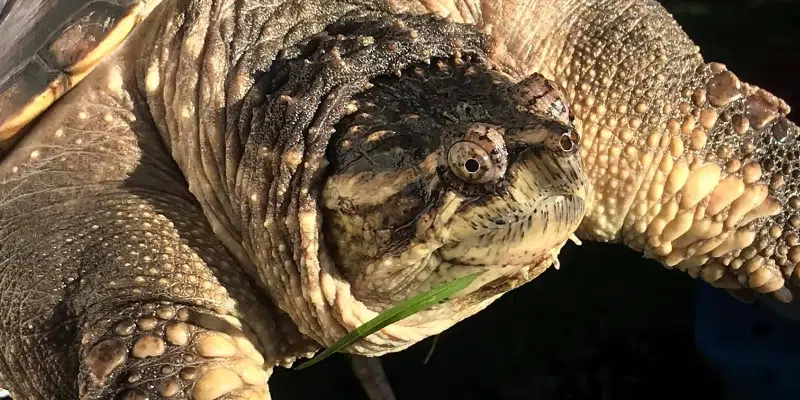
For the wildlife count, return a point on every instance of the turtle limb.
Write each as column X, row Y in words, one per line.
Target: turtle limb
column 688, row 164
column 372, row 376
column 121, row 286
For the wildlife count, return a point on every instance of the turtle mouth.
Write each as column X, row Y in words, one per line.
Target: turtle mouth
column 510, row 231
column 507, row 243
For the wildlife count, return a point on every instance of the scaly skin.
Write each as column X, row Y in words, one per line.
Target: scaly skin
column 660, row 123
column 694, row 162
column 706, row 156
column 688, row 164
column 186, row 225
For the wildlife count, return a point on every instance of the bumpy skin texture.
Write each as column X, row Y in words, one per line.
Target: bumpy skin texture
column 706, row 155
column 178, row 224
column 687, row 163
column 696, row 166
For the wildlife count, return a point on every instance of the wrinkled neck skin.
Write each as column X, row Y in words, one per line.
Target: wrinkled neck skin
column 545, row 36
column 527, row 33
column 250, row 126
column 626, row 68
column 628, row 71
column 688, row 164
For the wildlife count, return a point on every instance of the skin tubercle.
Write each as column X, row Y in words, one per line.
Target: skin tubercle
column 689, row 164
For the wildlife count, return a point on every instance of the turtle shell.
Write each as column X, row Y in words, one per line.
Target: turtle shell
column 48, row 46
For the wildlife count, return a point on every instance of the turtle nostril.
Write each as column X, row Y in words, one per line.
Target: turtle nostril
column 566, row 143
column 472, row 165
column 497, row 220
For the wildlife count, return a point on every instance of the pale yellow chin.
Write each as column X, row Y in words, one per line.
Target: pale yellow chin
column 521, row 238
column 446, row 270
column 516, row 251
column 446, row 247
column 494, row 281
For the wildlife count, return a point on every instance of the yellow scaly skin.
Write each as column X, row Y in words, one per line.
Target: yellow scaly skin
column 689, row 164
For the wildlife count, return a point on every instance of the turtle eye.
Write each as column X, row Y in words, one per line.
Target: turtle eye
column 471, row 163
column 478, row 155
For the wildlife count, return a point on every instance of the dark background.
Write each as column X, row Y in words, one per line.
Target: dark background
column 609, row 324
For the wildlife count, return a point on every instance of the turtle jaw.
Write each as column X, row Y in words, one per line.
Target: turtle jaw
column 514, row 238
column 502, row 235
column 508, row 251
column 541, row 205
column 518, row 231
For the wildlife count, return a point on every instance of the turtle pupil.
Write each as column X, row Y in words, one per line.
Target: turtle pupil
column 472, row 165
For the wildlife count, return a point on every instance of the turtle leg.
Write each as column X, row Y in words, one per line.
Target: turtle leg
column 112, row 283
column 371, row 375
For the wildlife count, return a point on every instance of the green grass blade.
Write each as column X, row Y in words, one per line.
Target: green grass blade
column 407, row 308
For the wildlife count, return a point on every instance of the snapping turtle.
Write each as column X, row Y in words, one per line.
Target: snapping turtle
column 240, row 182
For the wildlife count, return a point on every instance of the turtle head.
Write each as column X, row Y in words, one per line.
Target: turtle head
column 446, row 170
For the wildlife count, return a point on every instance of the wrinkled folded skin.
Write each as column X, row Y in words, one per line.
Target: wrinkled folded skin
column 242, row 182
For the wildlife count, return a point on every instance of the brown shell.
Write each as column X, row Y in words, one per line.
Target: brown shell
column 48, row 46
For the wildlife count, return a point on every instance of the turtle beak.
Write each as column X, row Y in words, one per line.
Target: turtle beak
column 541, row 206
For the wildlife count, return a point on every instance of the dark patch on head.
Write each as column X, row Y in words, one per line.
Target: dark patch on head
column 414, row 108
column 417, row 135
column 403, row 119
